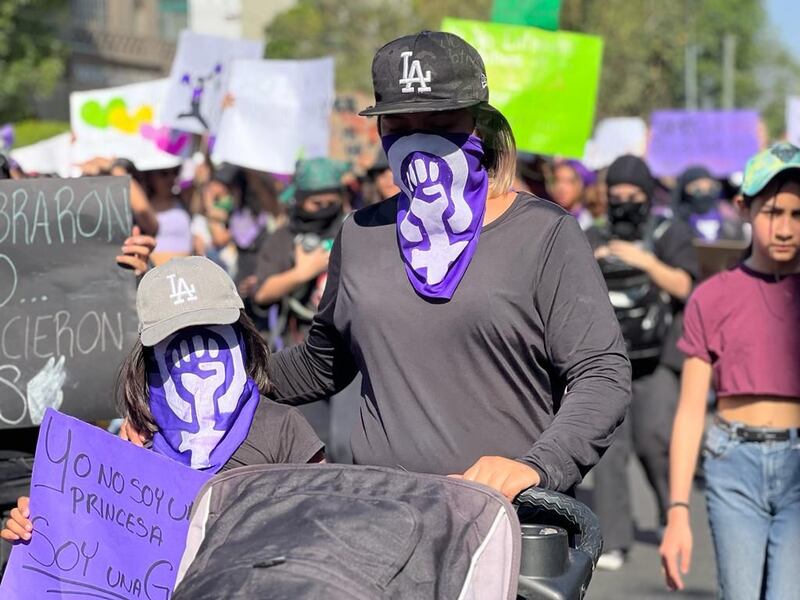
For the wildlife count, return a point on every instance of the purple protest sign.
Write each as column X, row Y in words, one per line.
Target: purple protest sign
column 109, row 519
column 720, row 140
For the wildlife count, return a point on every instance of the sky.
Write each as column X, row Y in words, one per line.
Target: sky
column 784, row 15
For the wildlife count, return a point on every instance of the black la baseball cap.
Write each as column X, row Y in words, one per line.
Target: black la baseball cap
column 427, row 71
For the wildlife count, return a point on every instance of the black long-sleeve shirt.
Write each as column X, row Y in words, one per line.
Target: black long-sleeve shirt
column 526, row 361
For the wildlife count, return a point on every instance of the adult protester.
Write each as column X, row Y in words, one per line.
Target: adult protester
column 741, row 333
column 699, row 203
column 210, row 237
column 236, row 215
column 292, row 263
column 568, row 188
column 477, row 316
column 143, row 214
column 291, row 272
column 596, row 199
column 380, row 174
column 649, row 265
column 174, row 238
column 5, row 167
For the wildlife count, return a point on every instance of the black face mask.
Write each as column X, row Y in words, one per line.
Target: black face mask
column 701, row 202
column 315, row 222
column 627, row 219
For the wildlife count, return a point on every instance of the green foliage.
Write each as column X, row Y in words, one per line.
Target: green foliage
column 32, row 131
column 353, row 31
column 779, row 77
column 643, row 66
column 31, row 57
column 644, row 56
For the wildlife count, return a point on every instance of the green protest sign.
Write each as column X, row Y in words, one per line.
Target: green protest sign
column 533, row 13
column 544, row 82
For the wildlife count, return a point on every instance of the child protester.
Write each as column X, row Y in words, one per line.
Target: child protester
column 195, row 381
column 741, row 332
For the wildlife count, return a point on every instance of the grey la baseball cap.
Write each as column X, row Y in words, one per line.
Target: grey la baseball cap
column 185, row 292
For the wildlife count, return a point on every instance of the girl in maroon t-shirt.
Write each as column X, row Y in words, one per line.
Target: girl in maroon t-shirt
column 742, row 332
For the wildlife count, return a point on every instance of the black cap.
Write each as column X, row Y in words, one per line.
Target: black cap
column 427, row 71
column 693, row 174
column 633, row 170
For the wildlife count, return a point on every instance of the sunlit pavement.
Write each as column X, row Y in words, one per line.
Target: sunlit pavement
column 640, row 577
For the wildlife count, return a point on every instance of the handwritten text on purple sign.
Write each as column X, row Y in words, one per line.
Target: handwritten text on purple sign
column 109, row 519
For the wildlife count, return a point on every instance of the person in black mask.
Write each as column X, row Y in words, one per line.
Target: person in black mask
column 291, row 271
column 5, row 167
column 292, row 263
column 698, row 203
column 649, row 265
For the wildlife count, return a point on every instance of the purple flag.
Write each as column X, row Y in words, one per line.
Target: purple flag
column 6, row 137
column 109, row 519
column 720, row 140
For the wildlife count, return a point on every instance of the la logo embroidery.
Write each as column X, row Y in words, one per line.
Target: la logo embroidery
column 413, row 74
column 182, row 292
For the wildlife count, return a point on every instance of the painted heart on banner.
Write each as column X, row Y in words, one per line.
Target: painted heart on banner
column 96, row 115
column 119, row 118
column 115, row 114
column 164, row 138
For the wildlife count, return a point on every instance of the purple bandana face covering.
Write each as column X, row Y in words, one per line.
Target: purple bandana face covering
column 200, row 396
column 708, row 225
column 441, row 207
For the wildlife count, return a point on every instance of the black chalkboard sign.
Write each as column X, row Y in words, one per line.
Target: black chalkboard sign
column 67, row 311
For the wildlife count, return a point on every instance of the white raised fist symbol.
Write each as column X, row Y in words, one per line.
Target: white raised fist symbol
column 429, row 207
column 202, row 369
column 44, row 389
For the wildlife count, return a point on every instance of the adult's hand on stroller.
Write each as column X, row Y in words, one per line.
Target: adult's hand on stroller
column 18, row 526
column 676, row 550
column 128, row 433
column 507, row 476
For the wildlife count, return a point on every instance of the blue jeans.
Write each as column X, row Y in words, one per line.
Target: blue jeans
column 753, row 496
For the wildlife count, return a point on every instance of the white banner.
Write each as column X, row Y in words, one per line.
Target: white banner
column 53, row 155
column 123, row 122
column 281, row 112
column 793, row 120
column 613, row 138
column 199, row 78
column 216, row 17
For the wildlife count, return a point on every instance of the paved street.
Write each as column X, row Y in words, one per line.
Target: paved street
column 641, row 575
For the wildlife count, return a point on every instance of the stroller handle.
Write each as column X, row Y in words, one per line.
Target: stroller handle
column 554, row 508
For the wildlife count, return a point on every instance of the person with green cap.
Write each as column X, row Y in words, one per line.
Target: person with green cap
column 292, row 262
column 741, row 332
column 291, row 270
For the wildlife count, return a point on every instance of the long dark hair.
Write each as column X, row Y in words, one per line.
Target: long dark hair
column 133, row 400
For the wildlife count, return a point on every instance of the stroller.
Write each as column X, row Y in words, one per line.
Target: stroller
column 363, row 533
